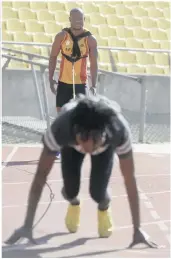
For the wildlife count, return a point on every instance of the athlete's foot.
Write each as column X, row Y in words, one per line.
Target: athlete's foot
column 105, row 223
column 72, row 219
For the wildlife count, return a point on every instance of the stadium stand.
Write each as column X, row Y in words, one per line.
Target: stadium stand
column 144, row 25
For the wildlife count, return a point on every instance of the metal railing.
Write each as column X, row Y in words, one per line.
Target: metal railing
column 43, row 67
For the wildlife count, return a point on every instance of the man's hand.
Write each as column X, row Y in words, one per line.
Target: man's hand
column 93, row 90
column 20, row 233
column 139, row 237
column 52, row 86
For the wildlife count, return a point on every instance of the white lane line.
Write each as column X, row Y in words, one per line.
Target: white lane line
column 154, row 214
column 163, row 227
column 83, row 179
column 148, row 205
column 9, row 157
column 87, row 199
column 139, row 148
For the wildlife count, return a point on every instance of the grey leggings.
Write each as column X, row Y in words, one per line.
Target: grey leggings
column 99, row 178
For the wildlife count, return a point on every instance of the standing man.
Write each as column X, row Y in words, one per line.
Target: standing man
column 75, row 44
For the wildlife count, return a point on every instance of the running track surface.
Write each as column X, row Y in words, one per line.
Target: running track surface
column 152, row 173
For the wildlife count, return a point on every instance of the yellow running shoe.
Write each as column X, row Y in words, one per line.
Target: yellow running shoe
column 105, row 223
column 72, row 219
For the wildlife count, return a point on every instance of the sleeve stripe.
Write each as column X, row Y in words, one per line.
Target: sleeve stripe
column 124, row 148
column 50, row 141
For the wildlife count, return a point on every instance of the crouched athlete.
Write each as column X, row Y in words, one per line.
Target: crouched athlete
column 95, row 126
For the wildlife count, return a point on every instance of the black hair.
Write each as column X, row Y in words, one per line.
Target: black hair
column 93, row 118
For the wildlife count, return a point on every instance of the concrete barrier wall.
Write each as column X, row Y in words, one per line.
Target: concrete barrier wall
column 19, row 95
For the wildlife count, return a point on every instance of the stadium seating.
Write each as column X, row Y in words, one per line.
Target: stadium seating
column 120, row 24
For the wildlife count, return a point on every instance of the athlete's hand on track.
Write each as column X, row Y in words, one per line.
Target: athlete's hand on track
column 20, row 233
column 52, row 86
column 140, row 237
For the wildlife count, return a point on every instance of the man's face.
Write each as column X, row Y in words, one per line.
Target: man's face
column 88, row 146
column 77, row 20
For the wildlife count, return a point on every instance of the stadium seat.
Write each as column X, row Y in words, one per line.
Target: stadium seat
column 166, row 13
column 146, row 4
column 97, row 19
column 164, row 44
column 121, row 10
column 148, row 23
column 154, row 13
column 126, row 57
column 8, row 13
column 168, row 34
column 157, row 34
column 114, row 20
column 101, row 41
column 55, row 6
column 140, row 33
column 161, row 59
column 161, row 4
column 31, row 49
column 42, row 38
column 121, row 69
column 106, row 31
column 167, row 70
column 134, row 69
column 89, row 7
column 61, row 17
column 105, row 67
column 87, row 19
column 130, row 21
column 26, row 14
column 44, row 15
column 34, row 26
column 104, row 56
column 38, row 5
column 91, row 28
column 131, row 3
column 153, row 70
column 17, row 5
column 139, row 12
column 133, row 43
column 15, row 25
column 7, row 36
column 149, row 44
column 52, row 28
column 6, row 4
column 22, row 37
column 114, row 3
column 144, row 58
column 115, row 42
column 44, row 52
column 17, row 65
column 124, row 33
column 105, row 9
column 163, row 23
column 71, row 5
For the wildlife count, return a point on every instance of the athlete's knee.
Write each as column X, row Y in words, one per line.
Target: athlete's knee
column 102, row 198
column 69, row 194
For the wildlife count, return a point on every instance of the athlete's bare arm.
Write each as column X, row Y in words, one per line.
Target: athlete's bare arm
column 93, row 55
column 127, row 169
column 44, row 167
column 56, row 46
